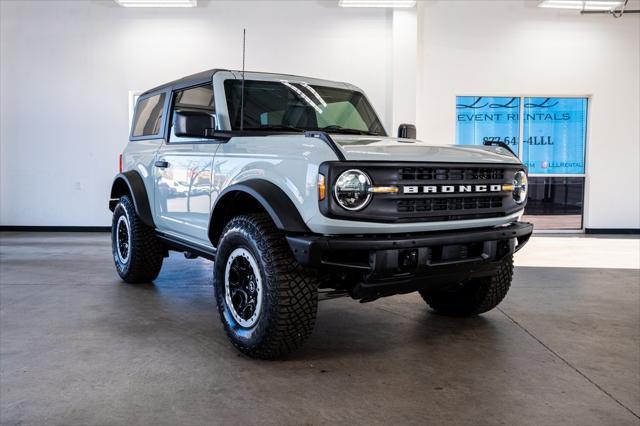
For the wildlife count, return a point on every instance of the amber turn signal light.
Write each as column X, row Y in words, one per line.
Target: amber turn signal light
column 322, row 187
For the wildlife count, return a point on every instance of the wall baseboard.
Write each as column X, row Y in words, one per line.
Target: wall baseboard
column 614, row 231
column 5, row 228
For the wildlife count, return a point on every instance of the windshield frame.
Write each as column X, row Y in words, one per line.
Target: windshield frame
column 232, row 109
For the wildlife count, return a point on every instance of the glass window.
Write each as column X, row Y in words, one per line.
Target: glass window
column 148, row 116
column 281, row 105
column 481, row 118
column 554, row 135
column 555, row 202
column 199, row 97
column 553, row 143
column 341, row 112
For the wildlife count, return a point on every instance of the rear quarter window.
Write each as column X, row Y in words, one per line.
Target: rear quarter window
column 147, row 119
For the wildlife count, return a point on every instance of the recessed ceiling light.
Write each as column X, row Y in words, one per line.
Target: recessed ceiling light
column 377, row 3
column 605, row 5
column 157, row 3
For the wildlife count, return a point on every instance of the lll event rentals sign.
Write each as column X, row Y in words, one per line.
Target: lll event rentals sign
column 553, row 134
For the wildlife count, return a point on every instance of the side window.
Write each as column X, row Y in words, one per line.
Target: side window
column 148, row 116
column 198, row 98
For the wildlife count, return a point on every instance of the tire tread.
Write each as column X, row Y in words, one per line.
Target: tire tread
column 146, row 250
column 294, row 300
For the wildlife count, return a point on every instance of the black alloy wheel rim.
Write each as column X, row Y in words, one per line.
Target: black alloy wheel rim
column 243, row 287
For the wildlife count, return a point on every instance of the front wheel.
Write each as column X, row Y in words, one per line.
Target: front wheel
column 266, row 300
column 474, row 296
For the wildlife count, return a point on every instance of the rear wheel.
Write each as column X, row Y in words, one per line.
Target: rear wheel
column 474, row 296
column 137, row 252
column 266, row 300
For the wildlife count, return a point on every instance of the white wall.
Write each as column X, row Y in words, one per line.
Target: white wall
column 515, row 48
column 67, row 68
column 404, row 66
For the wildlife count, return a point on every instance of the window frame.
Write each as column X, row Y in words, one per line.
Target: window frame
column 586, row 136
column 584, row 204
column 185, row 140
column 587, row 145
column 163, row 121
column 226, row 93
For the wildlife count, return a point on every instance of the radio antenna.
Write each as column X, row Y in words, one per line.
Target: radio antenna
column 244, row 37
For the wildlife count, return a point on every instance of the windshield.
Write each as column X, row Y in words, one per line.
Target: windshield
column 283, row 105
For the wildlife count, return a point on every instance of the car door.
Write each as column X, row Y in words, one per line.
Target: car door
column 146, row 137
column 183, row 173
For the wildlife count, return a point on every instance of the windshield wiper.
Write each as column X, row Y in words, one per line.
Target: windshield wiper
column 276, row 127
column 339, row 129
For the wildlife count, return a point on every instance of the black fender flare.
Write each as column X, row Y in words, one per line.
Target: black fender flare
column 131, row 182
column 274, row 200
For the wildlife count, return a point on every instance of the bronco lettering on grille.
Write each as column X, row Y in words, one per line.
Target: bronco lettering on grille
column 449, row 189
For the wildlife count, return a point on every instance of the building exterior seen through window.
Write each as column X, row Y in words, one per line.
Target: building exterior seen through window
column 549, row 135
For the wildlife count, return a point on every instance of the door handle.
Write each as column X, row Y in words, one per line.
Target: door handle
column 161, row 164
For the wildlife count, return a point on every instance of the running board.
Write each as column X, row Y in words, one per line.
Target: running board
column 188, row 248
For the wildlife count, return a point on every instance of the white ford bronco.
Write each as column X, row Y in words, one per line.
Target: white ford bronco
column 293, row 188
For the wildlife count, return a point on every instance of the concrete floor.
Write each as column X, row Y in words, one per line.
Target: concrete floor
column 79, row 347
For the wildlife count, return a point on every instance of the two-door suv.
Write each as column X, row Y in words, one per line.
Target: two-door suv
column 293, row 188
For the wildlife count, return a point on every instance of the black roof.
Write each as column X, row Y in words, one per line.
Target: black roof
column 200, row 78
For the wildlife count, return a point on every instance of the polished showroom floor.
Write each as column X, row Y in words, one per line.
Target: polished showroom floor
column 79, row 347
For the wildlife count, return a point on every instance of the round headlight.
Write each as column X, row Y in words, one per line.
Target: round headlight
column 352, row 189
column 520, row 187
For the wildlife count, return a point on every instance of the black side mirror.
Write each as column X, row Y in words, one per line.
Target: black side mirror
column 407, row 131
column 193, row 124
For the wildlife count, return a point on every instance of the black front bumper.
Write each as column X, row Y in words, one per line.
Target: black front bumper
column 391, row 264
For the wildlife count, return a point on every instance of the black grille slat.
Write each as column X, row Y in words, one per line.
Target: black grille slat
column 452, row 174
column 448, row 204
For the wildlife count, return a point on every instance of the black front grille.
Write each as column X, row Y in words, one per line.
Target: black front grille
column 450, row 174
column 448, row 204
column 427, row 192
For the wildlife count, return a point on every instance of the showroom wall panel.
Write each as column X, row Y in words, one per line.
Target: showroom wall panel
column 514, row 48
column 67, row 69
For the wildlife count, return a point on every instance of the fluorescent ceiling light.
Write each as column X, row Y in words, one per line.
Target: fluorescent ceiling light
column 605, row 5
column 157, row 3
column 377, row 3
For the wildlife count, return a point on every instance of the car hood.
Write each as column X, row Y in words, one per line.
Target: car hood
column 375, row 148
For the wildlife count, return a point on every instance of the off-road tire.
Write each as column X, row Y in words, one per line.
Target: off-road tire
column 475, row 296
column 145, row 250
column 289, row 293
